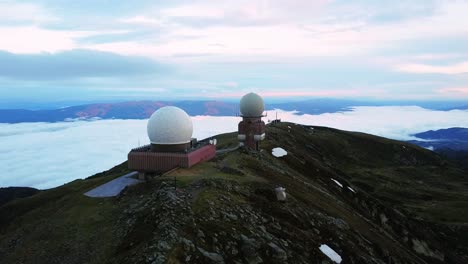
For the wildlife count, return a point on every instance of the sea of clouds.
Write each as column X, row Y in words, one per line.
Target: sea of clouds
column 45, row 155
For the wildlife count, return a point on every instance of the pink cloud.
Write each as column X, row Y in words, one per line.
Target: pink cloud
column 424, row 68
column 318, row 93
column 454, row 90
column 309, row 93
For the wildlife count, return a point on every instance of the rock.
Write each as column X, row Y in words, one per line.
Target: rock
column 234, row 251
column 422, row 248
column 200, row 234
column 285, row 243
column 215, row 257
column 277, row 252
column 187, row 244
column 159, row 260
column 341, row 224
column 249, row 250
column 163, row 245
column 233, row 217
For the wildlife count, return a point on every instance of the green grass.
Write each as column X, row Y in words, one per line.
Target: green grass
column 59, row 220
column 396, row 172
column 212, row 195
column 212, row 170
column 227, row 140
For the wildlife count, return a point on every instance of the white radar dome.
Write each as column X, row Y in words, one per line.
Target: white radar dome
column 170, row 125
column 251, row 105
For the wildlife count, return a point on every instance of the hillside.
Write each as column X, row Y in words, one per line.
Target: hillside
column 450, row 134
column 370, row 199
column 11, row 193
column 451, row 143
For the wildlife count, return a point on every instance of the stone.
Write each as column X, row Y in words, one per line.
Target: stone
column 233, row 217
column 187, row 244
column 277, row 252
column 164, row 245
column 262, row 228
column 249, row 249
column 215, row 257
column 422, row 248
column 200, row 234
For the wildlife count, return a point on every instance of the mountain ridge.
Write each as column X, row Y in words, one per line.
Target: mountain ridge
column 451, row 143
column 396, row 203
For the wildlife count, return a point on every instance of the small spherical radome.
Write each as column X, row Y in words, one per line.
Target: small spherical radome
column 170, row 125
column 252, row 105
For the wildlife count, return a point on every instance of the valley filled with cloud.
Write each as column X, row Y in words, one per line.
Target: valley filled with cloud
column 46, row 155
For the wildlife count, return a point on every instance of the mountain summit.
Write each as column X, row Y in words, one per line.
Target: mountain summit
column 350, row 198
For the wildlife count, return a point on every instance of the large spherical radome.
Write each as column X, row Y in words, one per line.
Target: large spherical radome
column 170, row 125
column 252, row 105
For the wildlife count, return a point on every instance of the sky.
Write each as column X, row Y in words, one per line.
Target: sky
column 175, row 49
column 72, row 150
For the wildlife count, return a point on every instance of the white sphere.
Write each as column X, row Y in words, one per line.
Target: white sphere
column 251, row 105
column 170, row 125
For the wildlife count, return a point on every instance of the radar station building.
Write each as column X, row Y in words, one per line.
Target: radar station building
column 170, row 133
column 251, row 128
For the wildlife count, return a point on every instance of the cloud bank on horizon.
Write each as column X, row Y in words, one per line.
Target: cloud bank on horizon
column 45, row 155
column 56, row 50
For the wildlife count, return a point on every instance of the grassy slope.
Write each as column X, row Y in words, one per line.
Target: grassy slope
column 11, row 193
column 47, row 226
column 396, row 172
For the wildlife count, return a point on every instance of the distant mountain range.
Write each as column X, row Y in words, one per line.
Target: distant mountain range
column 143, row 109
column 455, row 138
column 454, row 133
column 124, row 110
column 451, row 143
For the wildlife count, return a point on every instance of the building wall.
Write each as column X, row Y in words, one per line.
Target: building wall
column 251, row 127
column 205, row 153
column 161, row 162
column 170, row 148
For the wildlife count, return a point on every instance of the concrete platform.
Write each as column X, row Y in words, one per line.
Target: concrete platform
column 114, row 187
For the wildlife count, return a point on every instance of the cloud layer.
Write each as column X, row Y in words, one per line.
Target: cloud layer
column 404, row 50
column 75, row 64
column 45, row 155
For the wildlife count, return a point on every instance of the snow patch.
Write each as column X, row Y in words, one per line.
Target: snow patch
column 279, row 152
column 337, row 182
column 330, row 253
column 431, row 148
column 351, row 189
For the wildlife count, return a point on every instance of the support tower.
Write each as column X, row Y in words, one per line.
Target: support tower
column 251, row 128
